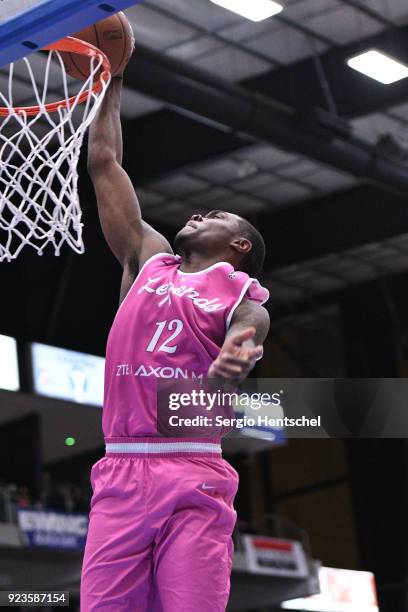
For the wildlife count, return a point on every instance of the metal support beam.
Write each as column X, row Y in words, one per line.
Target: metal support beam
column 355, row 95
column 251, row 114
column 333, row 224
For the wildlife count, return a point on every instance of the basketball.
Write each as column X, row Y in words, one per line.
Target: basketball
column 113, row 35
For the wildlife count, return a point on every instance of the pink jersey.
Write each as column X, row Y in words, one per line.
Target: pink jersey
column 172, row 325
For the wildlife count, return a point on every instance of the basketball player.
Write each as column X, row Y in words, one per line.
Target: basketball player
column 162, row 510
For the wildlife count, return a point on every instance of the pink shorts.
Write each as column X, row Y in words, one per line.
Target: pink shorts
column 160, row 529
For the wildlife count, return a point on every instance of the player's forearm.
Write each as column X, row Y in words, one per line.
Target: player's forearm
column 105, row 134
column 118, row 206
column 128, row 236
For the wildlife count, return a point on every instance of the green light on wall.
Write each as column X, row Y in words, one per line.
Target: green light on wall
column 70, row 441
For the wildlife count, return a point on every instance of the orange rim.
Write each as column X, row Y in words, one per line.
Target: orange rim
column 72, row 45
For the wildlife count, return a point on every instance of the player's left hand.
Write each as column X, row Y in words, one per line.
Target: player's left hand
column 235, row 360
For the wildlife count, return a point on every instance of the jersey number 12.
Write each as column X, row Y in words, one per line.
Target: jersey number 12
column 175, row 325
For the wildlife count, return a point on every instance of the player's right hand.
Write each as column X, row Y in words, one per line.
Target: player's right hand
column 236, row 360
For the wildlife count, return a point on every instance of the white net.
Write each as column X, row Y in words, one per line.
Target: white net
column 39, row 204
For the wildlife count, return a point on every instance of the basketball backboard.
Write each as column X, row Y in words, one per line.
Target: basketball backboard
column 28, row 25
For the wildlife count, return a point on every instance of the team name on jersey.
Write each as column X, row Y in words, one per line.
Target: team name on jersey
column 153, row 286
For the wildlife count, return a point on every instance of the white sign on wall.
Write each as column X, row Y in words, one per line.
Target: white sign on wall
column 341, row 591
column 67, row 375
column 9, row 378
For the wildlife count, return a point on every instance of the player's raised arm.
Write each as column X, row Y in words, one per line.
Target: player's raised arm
column 130, row 238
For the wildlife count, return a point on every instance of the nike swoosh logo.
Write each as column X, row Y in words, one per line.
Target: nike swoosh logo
column 204, row 486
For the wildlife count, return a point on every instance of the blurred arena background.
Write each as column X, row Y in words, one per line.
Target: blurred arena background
column 266, row 120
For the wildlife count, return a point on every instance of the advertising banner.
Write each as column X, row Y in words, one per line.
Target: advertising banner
column 53, row 529
column 68, row 375
column 275, row 557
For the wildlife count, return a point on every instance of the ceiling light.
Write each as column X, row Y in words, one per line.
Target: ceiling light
column 379, row 66
column 256, row 10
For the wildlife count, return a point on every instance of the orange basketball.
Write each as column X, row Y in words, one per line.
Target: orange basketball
column 113, row 35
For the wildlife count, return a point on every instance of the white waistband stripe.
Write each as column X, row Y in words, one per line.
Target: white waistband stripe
column 162, row 447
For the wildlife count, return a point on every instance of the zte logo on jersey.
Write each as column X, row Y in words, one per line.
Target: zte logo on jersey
column 168, row 290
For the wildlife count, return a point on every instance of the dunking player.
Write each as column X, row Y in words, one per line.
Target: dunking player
column 162, row 510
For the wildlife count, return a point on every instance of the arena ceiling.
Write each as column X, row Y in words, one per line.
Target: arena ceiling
column 298, row 58
column 325, row 228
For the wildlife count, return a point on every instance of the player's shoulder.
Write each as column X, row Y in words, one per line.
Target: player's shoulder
column 160, row 259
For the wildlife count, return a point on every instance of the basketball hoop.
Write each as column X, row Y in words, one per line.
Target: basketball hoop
column 39, row 151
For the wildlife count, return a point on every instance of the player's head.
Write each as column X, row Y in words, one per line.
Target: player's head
column 226, row 236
